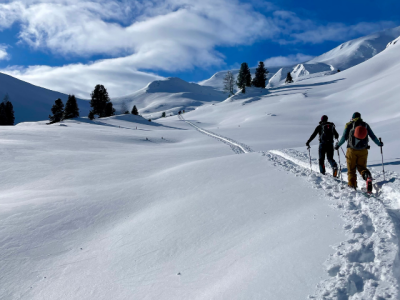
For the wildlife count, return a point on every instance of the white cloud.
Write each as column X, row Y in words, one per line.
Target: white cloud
column 3, row 52
column 167, row 35
column 80, row 79
column 281, row 61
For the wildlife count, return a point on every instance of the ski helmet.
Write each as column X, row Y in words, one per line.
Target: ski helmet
column 356, row 115
column 324, row 118
column 360, row 132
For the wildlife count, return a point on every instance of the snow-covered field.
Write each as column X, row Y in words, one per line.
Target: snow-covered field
column 217, row 204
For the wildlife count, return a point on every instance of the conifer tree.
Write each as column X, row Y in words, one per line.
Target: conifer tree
column 91, row 115
column 163, row 115
column 100, row 103
column 57, row 110
column 261, row 76
column 135, row 110
column 71, row 108
column 289, row 78
column 244, row 76
column 6, row 112
column 109, row 110
column 229, row 83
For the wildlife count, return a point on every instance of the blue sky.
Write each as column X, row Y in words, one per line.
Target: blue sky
column 71, row 45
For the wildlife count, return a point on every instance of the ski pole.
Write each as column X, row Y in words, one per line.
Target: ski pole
column 309, row 154
column 383, row 166
column 340, row 167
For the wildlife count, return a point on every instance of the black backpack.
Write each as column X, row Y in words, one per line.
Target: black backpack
column 327, row 135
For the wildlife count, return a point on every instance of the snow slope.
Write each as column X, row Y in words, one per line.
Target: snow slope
column 217, row 80
column 357, row 51
column 170, row 95
column 33, row 103
column 342, row 57
column 153, row 213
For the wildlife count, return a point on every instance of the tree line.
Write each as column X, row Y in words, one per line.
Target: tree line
column 244, row 78
column 100, row 103
column 7, row 117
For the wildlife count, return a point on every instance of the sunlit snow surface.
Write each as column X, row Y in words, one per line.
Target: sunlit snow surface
column 123, row 208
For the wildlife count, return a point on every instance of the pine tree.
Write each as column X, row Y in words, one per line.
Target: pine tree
column 57, row 110
column 229, row 83
column 91, row 115
column 100, row 102
column 109, row 110
column 135, row 111
column 71, row 108
column 163, row 115
column 261, row 76
column 6, row 112
column 244, row 76
column 289, row 78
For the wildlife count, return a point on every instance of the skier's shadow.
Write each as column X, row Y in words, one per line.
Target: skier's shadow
column 381, row 183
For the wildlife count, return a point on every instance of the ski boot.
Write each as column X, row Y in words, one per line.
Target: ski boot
column 368, row 179
column 335, row 172
column 322, row 169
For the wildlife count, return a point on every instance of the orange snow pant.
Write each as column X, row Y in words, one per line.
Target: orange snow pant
column 356, row 159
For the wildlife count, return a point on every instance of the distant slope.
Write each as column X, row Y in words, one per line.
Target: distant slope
column 170, row 95
column 32, row 103
column 217, row 80
column 357, row 51
column 344, row 56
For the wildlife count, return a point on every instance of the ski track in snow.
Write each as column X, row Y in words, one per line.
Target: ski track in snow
column 365, row 266
column 236, row 147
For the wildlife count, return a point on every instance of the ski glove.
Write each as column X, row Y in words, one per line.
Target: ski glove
column 337, row 146
column 308, row 144
column 381, row 144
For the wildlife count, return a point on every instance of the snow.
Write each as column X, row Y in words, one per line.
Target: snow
column 170, row 95
column 217, row 80
column 33, row 103
column 344, row 56
column 218, row 203
column 357, row 51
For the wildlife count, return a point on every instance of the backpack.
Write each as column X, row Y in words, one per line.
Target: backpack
column 355, row 143
column 327, row 135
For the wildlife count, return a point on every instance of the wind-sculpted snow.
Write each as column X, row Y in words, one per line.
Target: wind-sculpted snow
column 363, row 267
column 236, row 147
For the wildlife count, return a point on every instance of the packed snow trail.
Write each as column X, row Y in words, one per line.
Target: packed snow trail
column 236, row 147
column 364, row 266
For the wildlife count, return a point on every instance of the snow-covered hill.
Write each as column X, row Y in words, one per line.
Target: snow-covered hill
column 342, row 57
column 217, row 80
column 32, row 103
column 170, row 95
column 357, row 51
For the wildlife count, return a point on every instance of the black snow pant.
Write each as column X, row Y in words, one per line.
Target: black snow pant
column 326, row 148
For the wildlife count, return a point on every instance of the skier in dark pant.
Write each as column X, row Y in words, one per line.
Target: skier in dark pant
column 327, row 132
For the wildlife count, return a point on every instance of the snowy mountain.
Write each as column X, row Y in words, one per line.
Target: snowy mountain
column 357, row 51
column 32, row 103
column 170, row 95
column 342, row 57
column 221, row 203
